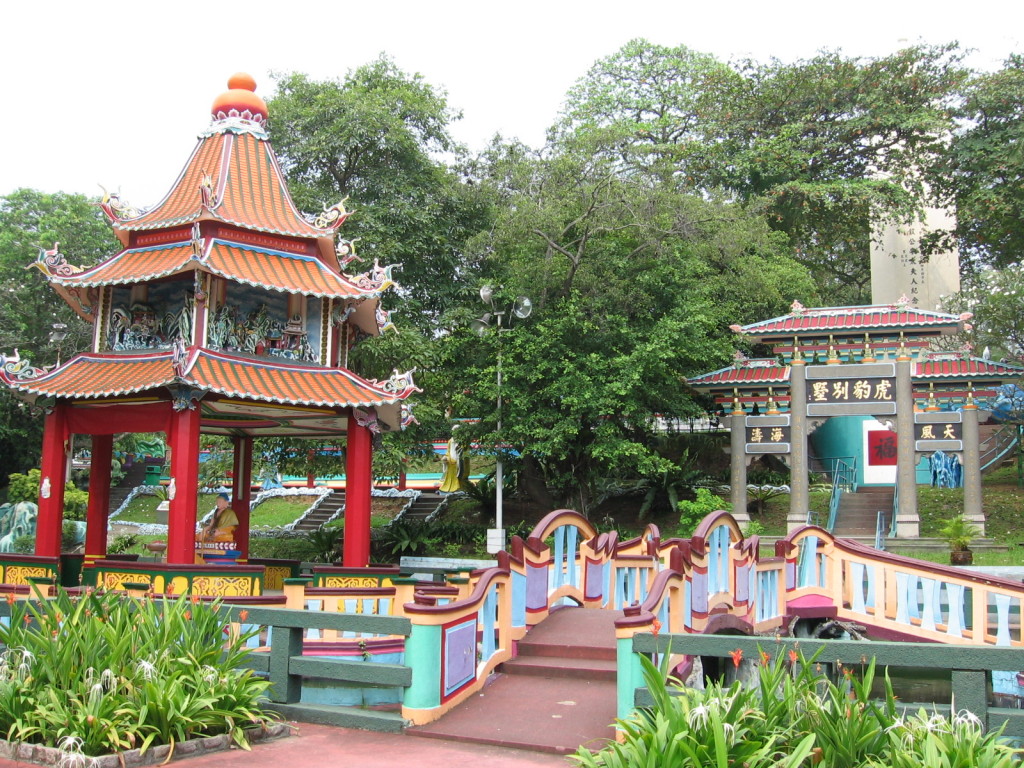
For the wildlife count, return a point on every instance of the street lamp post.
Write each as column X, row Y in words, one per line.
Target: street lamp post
column 58, row 333
column 521, row 308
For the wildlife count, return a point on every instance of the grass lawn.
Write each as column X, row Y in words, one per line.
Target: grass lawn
column 1003, row 503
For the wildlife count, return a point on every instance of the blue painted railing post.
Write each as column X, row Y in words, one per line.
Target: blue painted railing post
column 423, row 654
column 630, row 672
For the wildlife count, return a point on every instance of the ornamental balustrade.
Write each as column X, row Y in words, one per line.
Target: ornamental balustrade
column 451, row 637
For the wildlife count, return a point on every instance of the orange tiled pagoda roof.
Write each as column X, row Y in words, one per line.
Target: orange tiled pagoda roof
column 107, row 375
column 262, row 267
column 92, row 376
column 246, row 187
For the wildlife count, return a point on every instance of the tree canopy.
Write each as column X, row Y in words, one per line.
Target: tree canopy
column 676, row 194
column 29, row 221
column 380, row 137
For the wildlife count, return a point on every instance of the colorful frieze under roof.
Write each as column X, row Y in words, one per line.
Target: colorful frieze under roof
column 275, row 270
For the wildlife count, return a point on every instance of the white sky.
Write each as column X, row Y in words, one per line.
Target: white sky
column 115, row 93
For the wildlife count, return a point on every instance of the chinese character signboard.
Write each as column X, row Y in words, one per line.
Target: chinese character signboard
column 938, row 431
column 881, row 448
column 767, row 434
column 865, row 389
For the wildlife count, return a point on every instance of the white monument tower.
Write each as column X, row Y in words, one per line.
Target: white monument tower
column 897, row 267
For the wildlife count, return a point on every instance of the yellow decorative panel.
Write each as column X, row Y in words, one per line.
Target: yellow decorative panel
column 176, row 586
column 225, row 586
column 116, row 579
column 20, row 574
column 274, row 576
column 351, row 581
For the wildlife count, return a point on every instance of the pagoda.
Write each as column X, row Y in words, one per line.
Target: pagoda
column 883, row 361
column 226, row 312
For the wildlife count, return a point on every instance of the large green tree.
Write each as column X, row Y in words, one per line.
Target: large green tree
column 983, row 171
column 29, row 221
column 380, row 137
column 634, row 285
column 825, row 146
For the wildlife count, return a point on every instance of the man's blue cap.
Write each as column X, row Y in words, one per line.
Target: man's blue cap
column 223, row 496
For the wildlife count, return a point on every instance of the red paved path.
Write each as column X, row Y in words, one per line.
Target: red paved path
column 314, row 746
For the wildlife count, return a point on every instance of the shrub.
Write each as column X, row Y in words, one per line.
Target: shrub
column 106, row 672
column 792, row 716
column 283, row 548
column 26, row 488
column 692, row 512
column 124, row 542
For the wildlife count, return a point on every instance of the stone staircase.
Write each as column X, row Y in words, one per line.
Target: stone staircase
column 327, row 510
column 134, row 476
column 858, row 512
column 558, row 694
column 423, row 507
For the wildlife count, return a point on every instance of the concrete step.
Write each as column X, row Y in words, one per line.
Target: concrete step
column 529, row 648
column 572, row 668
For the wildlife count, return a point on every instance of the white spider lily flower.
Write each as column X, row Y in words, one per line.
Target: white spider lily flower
column 71, row 756
column 698, row 716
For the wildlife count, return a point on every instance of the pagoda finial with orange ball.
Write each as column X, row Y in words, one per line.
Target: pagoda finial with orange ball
column 240, row 100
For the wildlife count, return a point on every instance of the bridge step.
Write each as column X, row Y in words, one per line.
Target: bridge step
column 528, row 649
column 346, row 717
column 529, row 706
column 561, row 666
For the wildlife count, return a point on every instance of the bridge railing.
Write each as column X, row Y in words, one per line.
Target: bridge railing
column 972, row 669
column 926, row 601
column 455, row 646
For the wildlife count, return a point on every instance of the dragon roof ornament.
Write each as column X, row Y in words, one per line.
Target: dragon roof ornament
column 14, row 367
column 378, row 279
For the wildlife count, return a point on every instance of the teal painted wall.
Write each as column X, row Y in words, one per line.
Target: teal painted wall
column 843, row 437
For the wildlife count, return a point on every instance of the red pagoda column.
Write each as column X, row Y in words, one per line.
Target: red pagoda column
column 51, row 486
column 241, row 496
column 99, row 497
column 181, row 522
column 358, row 484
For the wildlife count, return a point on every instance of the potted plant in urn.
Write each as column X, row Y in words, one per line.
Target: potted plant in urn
column 959, row 532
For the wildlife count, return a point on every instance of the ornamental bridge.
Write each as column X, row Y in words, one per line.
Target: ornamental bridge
column 372, row 649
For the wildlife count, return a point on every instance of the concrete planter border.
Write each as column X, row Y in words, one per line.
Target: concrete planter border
column 38, row 754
